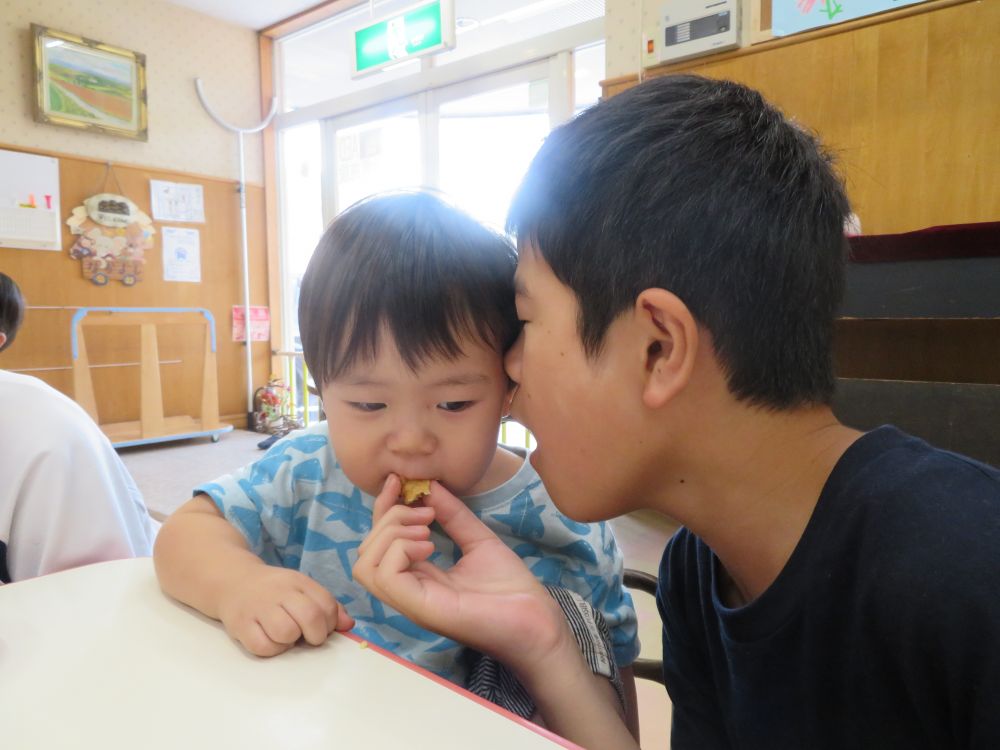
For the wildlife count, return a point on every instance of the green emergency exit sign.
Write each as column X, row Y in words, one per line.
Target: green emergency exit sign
column 420, row 30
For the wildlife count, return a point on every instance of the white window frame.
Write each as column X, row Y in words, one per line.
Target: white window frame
column 548, row 56
column 433, row 77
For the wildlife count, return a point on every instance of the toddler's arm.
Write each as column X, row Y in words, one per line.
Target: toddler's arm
column 203, row 561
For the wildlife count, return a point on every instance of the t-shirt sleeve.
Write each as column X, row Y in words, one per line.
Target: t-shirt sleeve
column 77, row 505
column 258, row 500
column 697, row 720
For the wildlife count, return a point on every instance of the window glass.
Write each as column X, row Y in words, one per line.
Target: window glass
column 301, row 212
column 486, row 144
column 588, row 72
column 377, row 156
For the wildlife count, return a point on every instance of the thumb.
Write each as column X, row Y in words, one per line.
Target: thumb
column 344, row 621
column 455, row 518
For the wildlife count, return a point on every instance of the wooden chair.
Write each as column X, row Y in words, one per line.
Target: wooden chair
column 644, row 669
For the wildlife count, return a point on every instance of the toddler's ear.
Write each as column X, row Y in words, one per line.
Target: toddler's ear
column 670, row 336
column 508, row 402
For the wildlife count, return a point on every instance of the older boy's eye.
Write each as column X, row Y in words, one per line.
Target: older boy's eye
column 366, row 406
column 455, row 405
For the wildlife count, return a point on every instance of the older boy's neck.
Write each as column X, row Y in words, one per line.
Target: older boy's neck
column 750, row 495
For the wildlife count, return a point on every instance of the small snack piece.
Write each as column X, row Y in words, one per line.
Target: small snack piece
column 414, row 489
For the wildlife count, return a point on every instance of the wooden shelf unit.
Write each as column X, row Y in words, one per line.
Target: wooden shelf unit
column 152, row 426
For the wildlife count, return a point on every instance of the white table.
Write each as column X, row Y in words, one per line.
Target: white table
column 100, row 657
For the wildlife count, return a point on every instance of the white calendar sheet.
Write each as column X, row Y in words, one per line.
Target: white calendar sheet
column 29, row 201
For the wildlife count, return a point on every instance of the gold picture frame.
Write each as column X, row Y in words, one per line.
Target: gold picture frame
column 89, row 85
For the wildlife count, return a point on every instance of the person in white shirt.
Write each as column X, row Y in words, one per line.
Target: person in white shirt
column 66, row 498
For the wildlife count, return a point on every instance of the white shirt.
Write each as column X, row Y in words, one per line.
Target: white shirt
column 66, row 498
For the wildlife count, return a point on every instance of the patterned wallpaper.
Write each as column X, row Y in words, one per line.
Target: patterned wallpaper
column 179, row 45
column 623, row 33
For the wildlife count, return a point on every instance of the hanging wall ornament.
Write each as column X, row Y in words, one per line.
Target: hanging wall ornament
column 112, row 236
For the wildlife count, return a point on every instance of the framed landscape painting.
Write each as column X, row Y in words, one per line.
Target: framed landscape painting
column 88, row 85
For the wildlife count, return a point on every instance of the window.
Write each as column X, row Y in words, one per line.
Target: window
column 429, row 121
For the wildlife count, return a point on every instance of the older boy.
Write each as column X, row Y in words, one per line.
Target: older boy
column 681, row 263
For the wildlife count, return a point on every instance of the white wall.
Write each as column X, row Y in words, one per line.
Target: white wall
column 179, row 45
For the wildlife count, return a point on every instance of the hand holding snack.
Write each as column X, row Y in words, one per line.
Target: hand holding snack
column 486, row 600
column 270, row 610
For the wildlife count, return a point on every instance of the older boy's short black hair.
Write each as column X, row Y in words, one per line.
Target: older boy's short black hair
column 414, row 265
column 703, row 188
column 11, row 309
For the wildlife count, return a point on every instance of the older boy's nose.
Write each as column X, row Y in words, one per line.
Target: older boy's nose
column 512, row 360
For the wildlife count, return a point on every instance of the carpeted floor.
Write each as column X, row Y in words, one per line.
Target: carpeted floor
column 167, row 472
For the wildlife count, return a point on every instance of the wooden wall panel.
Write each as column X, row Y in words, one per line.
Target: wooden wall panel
column 943, row 351
column 54, row 280
column 910, row 105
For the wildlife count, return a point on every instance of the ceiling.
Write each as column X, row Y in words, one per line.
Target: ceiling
column 259, row 14
column 253, row 14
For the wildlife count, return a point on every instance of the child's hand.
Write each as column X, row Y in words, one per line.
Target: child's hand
column 488, row 600
column 270, row 610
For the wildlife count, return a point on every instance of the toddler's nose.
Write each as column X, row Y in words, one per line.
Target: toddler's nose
column 411, row 438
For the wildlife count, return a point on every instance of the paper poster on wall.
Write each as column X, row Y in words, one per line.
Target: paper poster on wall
column 181, row 254
column 793, row 16
column 29, row 201
column 260, row 323
column 177, row 201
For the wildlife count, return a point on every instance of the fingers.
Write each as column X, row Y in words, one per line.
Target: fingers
column 334, row 615
column 258, row 643
column 314, row 621
column 279, row 623
column 409, row 523
column 387, row 498
column 458, row 522
column 300, row 608
column 378, row 543
column 392, row 579
column 396, row 522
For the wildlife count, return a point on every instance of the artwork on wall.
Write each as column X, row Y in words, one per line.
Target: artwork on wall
column 181, row 254
column 177, row 201
column 112, row 237
column 88, row 85
column 794, row 16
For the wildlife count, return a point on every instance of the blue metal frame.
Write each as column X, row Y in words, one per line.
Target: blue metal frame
column 82, row 313
column 214, row 434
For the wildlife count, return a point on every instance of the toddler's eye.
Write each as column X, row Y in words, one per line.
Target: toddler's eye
column 455, row 405
column 366, row 406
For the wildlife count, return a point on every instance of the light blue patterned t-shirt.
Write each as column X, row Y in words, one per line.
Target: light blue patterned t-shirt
column 298, row 510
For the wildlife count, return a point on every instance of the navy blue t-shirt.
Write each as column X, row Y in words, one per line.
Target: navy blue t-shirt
column 882, row 630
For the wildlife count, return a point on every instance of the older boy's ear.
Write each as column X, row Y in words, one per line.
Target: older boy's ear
column 671, row 340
